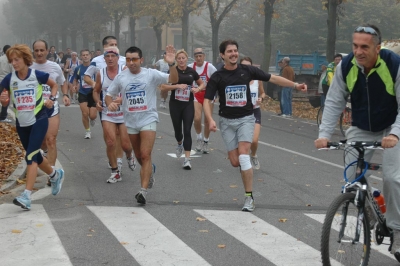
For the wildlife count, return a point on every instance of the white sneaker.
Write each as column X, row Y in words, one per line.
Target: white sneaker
column 255, row 162
column 199, row 145
column 88, row 135
column 205, row 148
column 249, row 205
column 179, row 150
column 119, row 163
column 186, row 164
column 5, row 120
column 114, row 178
column 162, row 105
column 131, row 162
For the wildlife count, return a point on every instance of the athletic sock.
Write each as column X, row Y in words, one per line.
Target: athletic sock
column 53, row 174
column 206, row 140
column 28, row 193
column 88, row 129
column 114, row 170
column 144, row 191
column 199, row 136
column 249, row 194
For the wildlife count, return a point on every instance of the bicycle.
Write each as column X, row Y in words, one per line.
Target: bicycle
column 344, row 120
column 347, row 238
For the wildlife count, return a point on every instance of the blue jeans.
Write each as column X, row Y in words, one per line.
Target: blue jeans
column 286, row 100
column 322, row 99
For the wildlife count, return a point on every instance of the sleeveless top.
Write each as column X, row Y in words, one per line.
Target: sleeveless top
column 114, row 117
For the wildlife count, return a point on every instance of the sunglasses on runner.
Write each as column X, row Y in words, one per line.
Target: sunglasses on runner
column 368, row 30
column 133, row 59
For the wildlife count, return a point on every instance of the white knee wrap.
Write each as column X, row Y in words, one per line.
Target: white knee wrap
column 244, row 160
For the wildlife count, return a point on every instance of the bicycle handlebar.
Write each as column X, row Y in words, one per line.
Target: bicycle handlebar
column 368, row 145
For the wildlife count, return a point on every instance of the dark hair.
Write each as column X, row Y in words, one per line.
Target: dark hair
column 5, row 48
column 338, row 55
column 40, row 40
column 134, row 49
column 246, row 58
column 52, row 47
column 98, row 49
column 84, row 50
column 224, row 44
column 105, row 39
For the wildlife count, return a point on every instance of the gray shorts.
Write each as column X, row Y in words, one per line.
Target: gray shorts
column 150, row 127
column 237, row 130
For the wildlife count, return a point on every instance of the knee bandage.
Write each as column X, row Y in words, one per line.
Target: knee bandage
column 244, row 161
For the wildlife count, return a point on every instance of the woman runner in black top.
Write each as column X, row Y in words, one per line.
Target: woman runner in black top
column 181, row 105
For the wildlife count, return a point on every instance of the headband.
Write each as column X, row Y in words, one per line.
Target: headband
column 196, row 53
column 106, row 52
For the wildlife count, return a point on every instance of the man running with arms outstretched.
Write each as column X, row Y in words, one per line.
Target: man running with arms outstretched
column 236, row 122
column 205, row 70
column 138, row 87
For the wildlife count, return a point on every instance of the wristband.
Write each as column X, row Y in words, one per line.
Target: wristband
column 171, row 65
column 295, row 85
column 66, row 95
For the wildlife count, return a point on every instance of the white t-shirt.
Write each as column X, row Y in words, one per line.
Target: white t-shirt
column 139, row 95
column 99, row 62
column 162, row 65
column 55, row 72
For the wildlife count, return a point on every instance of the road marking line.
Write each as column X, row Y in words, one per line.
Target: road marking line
column 350, row 219
column 37, row 243
column 147, row 240
column 277, row 246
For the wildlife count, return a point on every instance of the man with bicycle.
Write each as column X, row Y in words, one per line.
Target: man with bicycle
column 370, row 75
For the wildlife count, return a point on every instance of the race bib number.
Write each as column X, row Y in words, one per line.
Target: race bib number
column 25, row 100
column 183, row 95
column 136, row 101
column 236, row 96
column 254, row 97
column 46, row 92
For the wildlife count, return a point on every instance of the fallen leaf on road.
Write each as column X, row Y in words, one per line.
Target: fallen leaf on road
column 209, row 191
column 90, row 235
column 91, row 230
column 283, row 220
column 176, row 201
column 124, row 243
column 233, row 186
column 264, row 234
column 253, row 222
column 201, row 219
column 39, row 225
column 307, row 185
column 308, row 205
column 235, row 199
column 19, row 181
column 221, row 246
column 15, row 231
column 203, row 231
column 260, row 179
column 327, row 185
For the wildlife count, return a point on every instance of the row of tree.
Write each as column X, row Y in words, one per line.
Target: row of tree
column 262, row 26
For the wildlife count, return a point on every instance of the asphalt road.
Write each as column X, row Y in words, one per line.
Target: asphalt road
column 192, row 217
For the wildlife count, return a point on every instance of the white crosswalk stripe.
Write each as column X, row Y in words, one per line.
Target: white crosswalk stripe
column 145, row 238
column 28, row 238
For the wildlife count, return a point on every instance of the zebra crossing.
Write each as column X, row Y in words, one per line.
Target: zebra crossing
column 25, row 235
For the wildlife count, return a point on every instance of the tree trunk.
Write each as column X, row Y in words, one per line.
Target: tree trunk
column 85, row 41
column 64, row 40
column 73, row 34
column 132, row 25
column 331, row 39
column 158, row 31
column 97, row 44
column 268, row 11
column 116, row 26
column 215, row 50
column 185, row 29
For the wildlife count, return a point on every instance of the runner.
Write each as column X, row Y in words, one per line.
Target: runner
column 69, row 68
column 49, row 146
column 138, row 87
column 85, row 94
column 257, row 96
column 205, row 70
column 162, row 65
column 96, row 64
column 181, row 105
column 25, row 87
column 236, row 113
column 112, row 121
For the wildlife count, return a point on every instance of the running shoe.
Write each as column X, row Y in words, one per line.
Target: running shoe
column 248, row 204
column 23, row 201
column 179, row 150
column 152, row 180
column 109, row 165
column 131, row 162
column 162, row 105
column 119, row 163
column 5, row 120
column 114, row 178
column 92, row 122
column 186, row 164
column 140, row 197
column 206, row 150
column 199, row 145
column 57, row 183
column 255, row 162
column 88, row 135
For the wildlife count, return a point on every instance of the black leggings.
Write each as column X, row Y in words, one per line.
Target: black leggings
column 182, row 112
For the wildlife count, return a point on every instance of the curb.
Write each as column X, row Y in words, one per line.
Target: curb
column 18, row 173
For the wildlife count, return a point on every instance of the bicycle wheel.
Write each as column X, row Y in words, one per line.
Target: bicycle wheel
column 319, row 115
column 345, row 120
column 338, row 232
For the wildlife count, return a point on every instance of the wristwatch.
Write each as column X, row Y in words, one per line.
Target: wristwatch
column 52, row 98
column 66, row 95
column 171, row 65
